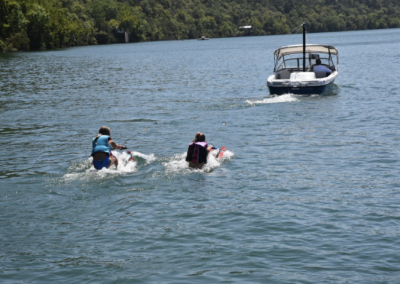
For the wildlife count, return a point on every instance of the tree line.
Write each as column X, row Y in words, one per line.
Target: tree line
column 48, row 24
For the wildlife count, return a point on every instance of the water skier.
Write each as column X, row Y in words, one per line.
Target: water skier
column 198, row 151
column 101, row 149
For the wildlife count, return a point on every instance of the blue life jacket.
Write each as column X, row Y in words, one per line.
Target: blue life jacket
column 101, row 145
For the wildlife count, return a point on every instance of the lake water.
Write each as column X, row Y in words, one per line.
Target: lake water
column 308, row 191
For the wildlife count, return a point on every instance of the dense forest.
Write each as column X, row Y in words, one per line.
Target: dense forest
column 48, row 24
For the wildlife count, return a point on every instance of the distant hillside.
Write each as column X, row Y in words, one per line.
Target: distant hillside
column 48, row 24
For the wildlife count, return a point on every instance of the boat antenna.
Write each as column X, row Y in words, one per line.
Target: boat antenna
column 304, row 46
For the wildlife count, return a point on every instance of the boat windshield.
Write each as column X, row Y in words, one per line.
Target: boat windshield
column 295, row 62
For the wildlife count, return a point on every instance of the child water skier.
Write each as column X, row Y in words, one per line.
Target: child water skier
column 101, row 149
column 198, row 151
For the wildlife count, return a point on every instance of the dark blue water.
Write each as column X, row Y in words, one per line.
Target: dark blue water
column 308, row 191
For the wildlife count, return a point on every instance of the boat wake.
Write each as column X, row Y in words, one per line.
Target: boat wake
column 85, row 169
column 275, row 99
column 177, row 163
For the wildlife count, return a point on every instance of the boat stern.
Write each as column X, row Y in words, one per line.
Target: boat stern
column 305, row 83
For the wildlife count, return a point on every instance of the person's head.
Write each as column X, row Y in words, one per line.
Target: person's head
column 318, row 61
column 196, row 137
column 202, row 138
column 104, row 130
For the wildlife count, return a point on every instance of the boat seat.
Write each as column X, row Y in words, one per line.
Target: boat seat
column 320, row 74
column 284, row 74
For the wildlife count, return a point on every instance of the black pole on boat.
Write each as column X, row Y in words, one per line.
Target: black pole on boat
column 304, row 46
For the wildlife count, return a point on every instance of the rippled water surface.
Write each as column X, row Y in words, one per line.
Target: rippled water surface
column 308, row 191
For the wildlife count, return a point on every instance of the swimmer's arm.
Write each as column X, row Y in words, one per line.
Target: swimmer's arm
column 115, row 145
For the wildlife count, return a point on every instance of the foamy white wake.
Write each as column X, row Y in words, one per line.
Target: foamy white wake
column 85, row 169
column 177, row 163
column 275, row 99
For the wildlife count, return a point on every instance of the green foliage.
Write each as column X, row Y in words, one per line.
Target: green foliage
column 48, row 24
column 38, row 27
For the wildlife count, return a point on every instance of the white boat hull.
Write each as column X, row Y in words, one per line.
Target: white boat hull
column 304, row 83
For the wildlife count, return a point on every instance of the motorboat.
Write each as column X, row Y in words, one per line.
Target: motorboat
column 203, row 38
column 294, row 68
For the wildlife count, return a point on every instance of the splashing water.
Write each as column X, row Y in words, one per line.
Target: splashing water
column 275, row 99
column 85, row 169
